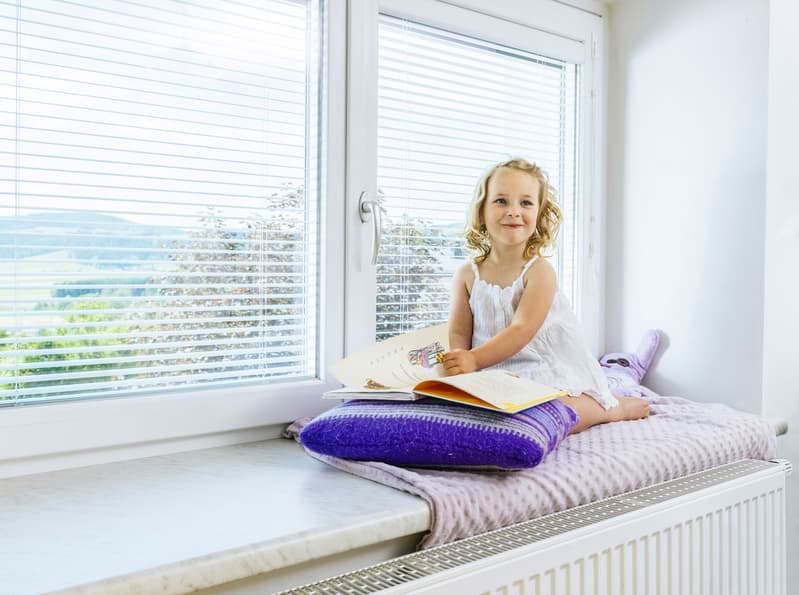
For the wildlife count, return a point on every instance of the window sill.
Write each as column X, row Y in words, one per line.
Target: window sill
column 263, row 514
column 38, row 439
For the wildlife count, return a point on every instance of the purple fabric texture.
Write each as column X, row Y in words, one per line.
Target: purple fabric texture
column 679, row 438
column 435, row 433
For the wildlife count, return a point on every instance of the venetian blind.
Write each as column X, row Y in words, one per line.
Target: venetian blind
column 158, row 196
column 449, row 107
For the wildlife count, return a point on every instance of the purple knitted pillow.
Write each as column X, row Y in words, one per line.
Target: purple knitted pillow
column 434, row 433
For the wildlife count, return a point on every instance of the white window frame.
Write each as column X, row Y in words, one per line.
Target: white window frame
column 37, row 438
column 62, row 435
column 526, row 24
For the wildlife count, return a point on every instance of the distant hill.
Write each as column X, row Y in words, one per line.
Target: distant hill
column 82, row 234
column 87, row 236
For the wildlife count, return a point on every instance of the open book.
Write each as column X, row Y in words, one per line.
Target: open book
column 408, row 367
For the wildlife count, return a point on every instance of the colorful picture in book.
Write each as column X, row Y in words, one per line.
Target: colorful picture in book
column 428, row 356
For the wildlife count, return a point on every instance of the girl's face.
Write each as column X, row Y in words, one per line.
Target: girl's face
column 511, row 207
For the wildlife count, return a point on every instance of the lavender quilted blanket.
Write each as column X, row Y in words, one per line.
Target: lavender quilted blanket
column 680, row 437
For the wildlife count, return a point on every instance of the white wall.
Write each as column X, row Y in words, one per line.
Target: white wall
column 686, row 191
column 703, row 203
column 781, row 332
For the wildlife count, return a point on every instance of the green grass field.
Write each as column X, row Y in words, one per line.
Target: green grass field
column 14, row 303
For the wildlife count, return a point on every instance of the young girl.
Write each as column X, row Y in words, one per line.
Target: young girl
column 507, row 311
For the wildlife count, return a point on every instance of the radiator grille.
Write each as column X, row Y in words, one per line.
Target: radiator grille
column 446, row 557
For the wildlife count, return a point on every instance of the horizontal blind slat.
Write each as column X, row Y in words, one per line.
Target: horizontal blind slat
column 300, row 328
column 160, row 382
column 139, row 359
column 166, row 345
column 162, row 369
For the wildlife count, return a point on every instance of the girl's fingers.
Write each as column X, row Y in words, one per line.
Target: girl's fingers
column 451, row 364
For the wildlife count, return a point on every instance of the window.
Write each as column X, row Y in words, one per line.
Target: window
column 160, row 196
column 181, row 187
column 449, row 107
column 443, row 90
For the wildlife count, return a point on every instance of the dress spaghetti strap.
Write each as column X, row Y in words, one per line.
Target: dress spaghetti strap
column 528, row 265
column 474, row 269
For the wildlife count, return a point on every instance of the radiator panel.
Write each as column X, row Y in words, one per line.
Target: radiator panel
column 720, row 531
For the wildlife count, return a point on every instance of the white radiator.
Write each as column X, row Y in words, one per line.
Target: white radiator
column 720, row 531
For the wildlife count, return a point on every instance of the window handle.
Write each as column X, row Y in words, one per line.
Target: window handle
column 374, row 208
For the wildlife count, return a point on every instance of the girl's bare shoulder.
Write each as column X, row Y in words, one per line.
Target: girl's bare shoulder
column 541, row 272
column 465, row 275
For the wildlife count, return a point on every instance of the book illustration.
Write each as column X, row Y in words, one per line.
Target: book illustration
column 398, row 362
column 428, row 356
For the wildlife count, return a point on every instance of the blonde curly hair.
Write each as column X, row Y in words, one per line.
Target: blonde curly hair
column 546, row 226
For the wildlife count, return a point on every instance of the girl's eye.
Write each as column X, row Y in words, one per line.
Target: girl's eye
column 500, row 201
column 527, row 203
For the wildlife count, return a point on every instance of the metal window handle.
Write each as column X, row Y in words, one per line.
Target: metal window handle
column 374, row 208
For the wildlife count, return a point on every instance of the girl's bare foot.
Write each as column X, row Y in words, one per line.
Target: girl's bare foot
column 590, row 412
column 629, row 408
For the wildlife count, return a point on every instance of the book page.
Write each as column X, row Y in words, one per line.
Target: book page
column 499, row 388
column 398, row 362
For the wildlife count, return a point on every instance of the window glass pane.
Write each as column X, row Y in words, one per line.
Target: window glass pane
column 449, row 107
column 158, row 196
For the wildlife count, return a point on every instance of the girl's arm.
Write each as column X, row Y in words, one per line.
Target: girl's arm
column 460, row 314
column 539, row 292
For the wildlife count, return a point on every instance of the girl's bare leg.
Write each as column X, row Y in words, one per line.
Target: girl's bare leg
column 592, row 413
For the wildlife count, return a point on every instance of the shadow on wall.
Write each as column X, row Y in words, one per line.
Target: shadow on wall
column 653, row 378
column 658, row 381
column 634, row 24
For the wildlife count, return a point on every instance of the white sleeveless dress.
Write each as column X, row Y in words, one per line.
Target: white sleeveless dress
column 558, row 355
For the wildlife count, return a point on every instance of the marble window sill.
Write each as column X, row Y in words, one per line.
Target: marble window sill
column 190, row 521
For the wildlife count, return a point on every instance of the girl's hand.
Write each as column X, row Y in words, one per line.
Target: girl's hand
column 459, row 361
